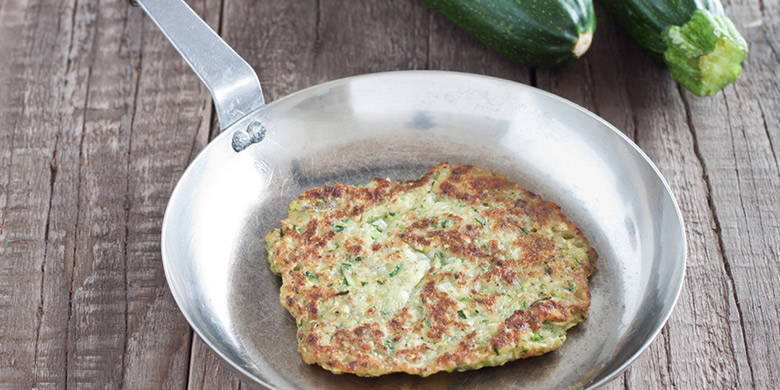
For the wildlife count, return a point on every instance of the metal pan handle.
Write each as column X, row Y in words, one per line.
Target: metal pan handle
column 233, row 84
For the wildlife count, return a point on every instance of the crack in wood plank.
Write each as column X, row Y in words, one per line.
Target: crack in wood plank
column 716, row 220
column 70, row 43
column 212, row 129
column 189, row 359
column 318, row 17
column 72, row 288
column 39, row 313
column 428, row 37
column 83, row 120
column 668, row 351
column 591, row 84
column 220, row 17
column 771, row 47
column 213, row 132
column 128, row 198
column 634, row 135
column 769, row 137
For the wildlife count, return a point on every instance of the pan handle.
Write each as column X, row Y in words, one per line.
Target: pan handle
column 233, row 84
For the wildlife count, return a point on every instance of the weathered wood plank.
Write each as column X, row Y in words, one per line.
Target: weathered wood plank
column 637, row 95
column 706, row 310
column 373, row 36
column 34, row 221
column 278, row 38
column 734, row 142
column 82, row 294
column 97, row 320
column 209, row 371
column 170, row 124
column 13, row 24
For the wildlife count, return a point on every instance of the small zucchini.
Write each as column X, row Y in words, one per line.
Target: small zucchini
column 698, row 43
column 535, row 32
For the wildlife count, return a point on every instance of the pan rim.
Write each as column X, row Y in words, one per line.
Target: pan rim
column 509, row 83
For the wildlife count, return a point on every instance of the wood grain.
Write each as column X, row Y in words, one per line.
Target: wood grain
column 35, row 231
column 278, row 38
column 734, row 143
column 82, row 291
column 99, row 117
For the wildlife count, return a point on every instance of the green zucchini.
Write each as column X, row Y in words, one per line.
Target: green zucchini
column 534, row 32
column 698, row 43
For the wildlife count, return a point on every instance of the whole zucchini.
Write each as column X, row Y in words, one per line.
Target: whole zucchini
column 534, row 32
column 700, row 46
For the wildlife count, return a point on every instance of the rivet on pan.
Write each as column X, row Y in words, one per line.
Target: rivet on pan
column 254, row 133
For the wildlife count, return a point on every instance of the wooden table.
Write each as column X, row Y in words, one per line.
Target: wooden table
column 99, row 117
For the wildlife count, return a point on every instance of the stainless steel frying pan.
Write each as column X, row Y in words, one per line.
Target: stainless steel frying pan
column 396, row 125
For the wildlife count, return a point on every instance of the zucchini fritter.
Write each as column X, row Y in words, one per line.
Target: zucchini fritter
column 458, row 270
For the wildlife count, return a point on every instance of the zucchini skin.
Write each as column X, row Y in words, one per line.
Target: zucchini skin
column 695, row 39
column 544, row 33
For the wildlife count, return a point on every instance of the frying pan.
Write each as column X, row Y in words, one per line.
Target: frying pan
column 397, row 125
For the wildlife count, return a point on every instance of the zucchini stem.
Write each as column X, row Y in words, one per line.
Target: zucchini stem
column 705, row 54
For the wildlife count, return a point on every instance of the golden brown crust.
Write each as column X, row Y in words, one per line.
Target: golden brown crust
column 399, row 276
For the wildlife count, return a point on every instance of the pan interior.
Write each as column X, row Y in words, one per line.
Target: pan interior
column 396, row 125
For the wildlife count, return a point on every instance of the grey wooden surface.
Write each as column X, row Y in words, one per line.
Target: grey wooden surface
column 99, row 118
